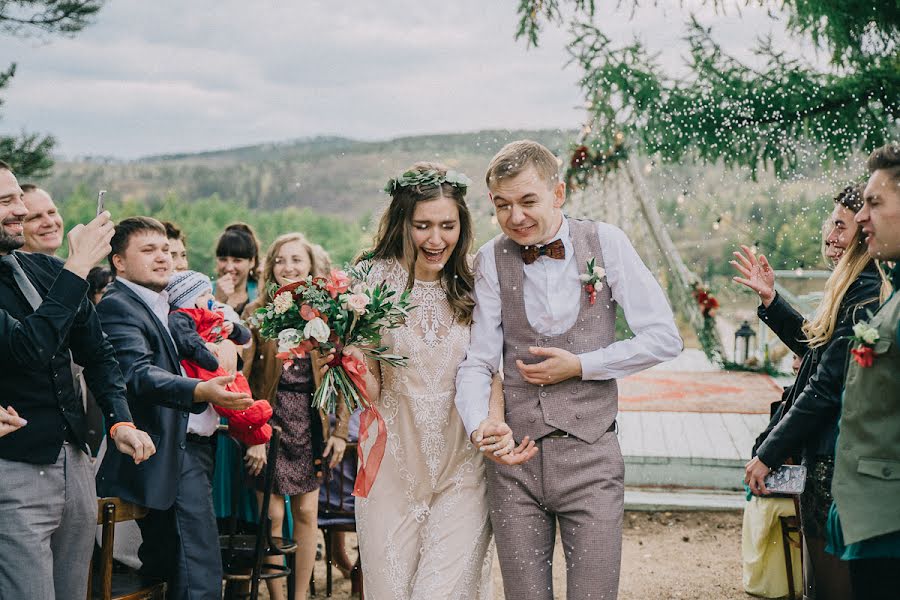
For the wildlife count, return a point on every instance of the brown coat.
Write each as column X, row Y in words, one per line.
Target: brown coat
column 263, row 371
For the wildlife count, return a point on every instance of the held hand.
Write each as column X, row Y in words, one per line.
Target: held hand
column 335, row 448
column 214, row 392
column 135, row 443
column 89, row 244
column 756, row 274
column 518, row 455
column 756, row 472
column 227, row 328
column 255, row 459
column 558, row 365
column 10, row 420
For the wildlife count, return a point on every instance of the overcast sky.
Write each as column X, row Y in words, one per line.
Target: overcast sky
column 175, row 76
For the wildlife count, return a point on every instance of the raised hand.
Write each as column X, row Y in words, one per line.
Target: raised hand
column 89, row 244
column 557, row 366
column 10, row 420
column 135, row 443
column 214, row 392
column 225, row 283
column 756, row 274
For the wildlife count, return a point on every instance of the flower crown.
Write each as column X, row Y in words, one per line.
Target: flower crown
column 427, row 178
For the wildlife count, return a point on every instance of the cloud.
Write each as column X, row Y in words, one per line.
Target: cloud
column 168, row 76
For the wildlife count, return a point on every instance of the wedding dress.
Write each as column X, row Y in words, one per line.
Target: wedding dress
column 424, row 531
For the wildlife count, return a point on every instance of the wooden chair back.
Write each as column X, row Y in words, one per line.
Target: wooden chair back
column 130, row 587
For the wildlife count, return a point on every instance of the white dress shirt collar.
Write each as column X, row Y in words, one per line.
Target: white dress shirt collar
column 155, row 300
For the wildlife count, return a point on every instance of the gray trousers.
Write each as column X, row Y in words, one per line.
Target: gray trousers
column 48, row 514
column 581, row 487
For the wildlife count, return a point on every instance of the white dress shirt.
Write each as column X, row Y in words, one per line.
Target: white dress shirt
column 206, row 422
column 553, row 292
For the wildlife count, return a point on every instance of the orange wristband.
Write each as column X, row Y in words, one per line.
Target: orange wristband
column 112, row 430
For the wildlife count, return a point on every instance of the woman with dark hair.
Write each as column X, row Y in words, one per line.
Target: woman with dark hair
column 807, row 422
column 423, row 528
column 98, row 280
column 237, row 266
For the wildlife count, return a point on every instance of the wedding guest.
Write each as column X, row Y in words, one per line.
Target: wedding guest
column 237, row 266
column 180, row 538
column 177, row 246
column 43, row 224
column 864, row 523
column 807, row 421
column 44, row 235
column 307, row 439
column 48, row 508
column 237, row 270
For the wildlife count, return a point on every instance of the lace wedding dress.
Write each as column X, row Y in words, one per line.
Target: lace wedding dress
column 424, row 531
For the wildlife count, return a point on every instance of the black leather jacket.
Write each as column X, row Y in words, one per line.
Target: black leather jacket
column 807, row 421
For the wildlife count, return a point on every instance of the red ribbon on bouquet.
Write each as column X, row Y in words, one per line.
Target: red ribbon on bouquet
column 368, row 467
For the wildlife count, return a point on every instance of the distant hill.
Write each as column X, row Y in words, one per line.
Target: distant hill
column 327, row 174
column 708, row 209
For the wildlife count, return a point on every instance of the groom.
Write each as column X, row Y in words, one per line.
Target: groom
column 560, row 362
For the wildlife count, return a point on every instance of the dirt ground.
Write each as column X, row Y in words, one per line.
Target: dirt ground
column 677, row 555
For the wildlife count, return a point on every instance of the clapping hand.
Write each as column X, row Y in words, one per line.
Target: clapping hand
column 756, row 274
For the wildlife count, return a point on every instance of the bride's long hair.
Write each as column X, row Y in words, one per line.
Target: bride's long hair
column 394, row 239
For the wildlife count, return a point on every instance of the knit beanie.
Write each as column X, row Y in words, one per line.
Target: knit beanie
column 185, row 286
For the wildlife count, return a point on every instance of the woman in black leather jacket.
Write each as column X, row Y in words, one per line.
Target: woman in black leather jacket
column 806, row 424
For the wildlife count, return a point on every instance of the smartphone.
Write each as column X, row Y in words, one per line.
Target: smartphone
column 787, row 479
column 100, row 208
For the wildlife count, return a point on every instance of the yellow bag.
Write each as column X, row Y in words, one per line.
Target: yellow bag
column 762, row 549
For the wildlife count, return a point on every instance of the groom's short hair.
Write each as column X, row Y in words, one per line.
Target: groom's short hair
column 517, row 156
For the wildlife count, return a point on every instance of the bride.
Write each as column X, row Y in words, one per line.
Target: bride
column 423, row 530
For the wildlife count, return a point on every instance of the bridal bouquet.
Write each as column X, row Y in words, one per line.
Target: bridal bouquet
column 326, row 313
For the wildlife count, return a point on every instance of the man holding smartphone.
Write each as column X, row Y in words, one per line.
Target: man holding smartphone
column 48, row 508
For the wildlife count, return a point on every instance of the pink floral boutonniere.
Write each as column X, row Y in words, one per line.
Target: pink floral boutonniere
column 591, row 280
column 866, row 336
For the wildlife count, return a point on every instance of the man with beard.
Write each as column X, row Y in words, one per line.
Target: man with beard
column 48, row 509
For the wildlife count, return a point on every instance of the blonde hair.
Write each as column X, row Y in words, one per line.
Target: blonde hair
column 319, row 261
column 820, row 329
column 516, row 157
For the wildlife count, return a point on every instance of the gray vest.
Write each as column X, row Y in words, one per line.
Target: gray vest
column 585, row 409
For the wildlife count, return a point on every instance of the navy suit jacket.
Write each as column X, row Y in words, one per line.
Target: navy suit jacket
column 160, row 400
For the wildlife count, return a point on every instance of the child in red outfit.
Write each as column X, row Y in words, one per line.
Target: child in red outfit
column 196, row 324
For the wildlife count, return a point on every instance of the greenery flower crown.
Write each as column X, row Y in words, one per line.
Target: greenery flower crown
column 427, row 178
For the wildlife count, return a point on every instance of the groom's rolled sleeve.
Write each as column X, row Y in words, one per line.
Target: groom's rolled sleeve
column 473, row 379
column 647, row 312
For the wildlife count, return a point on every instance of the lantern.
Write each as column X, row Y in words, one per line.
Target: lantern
column 744, row 343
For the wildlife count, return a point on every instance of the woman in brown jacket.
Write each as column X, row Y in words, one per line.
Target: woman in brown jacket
column 306, row 440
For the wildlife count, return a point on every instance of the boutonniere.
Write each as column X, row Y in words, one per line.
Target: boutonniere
column 591, row 280
column 866, row 336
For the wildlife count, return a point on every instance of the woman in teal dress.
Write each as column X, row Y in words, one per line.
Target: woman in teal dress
column 237, row 274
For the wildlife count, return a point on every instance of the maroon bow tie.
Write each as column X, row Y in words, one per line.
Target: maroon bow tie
column 554, row 249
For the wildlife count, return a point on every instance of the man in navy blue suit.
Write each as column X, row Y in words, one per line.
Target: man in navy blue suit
column 180, row 539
